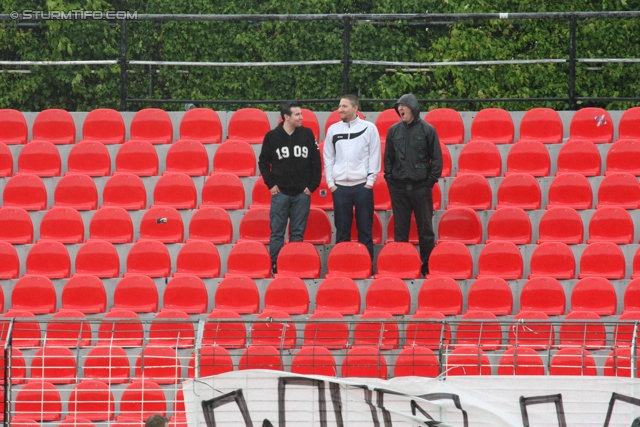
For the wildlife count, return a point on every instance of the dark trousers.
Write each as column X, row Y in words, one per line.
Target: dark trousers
column 345, row 198
column 420, row 202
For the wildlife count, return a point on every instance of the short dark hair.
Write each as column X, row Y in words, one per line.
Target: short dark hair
column 285, row 109
column 352, row 99
column 156, row 421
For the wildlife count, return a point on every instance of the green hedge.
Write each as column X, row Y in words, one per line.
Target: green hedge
column 83, row 88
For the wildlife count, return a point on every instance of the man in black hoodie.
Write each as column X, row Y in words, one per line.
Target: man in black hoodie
column 290, row 166
column 412, row 166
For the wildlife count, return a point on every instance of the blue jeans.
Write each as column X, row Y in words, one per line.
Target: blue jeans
column 345, row 198
column 293, row 209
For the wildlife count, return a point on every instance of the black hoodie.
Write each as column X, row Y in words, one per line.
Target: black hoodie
column 412, row 154
column 292, row 162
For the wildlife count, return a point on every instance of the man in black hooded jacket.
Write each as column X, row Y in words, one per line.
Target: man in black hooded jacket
column 290, row 165
column 412, row 166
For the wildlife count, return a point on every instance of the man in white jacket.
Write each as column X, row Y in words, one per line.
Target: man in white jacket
column 351, row 165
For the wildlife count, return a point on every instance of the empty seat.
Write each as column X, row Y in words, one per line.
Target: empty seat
column 25, row 333
column 470, row 191
column 176, row 190
column 89, row 158
column 570, row 190
column 13, row 127
column 98, row 258
column 618, row 363
column 119, row 328
column 413, row 228
column 273, row 328
column 314, row 360
column 260, row 194
column 249, row 258
column 54, row 125
column 235, row 157
column 162, row 223
column 40, row 158
column 141, row 399
column 326, row 329
column 562, row 224
column 624, row 156
column 582, row 329
column 39, row 400
column 573, row 361
column 388, row 294
column 249, row 125
column 377, row 329
column 256, row 225
column 322, row 198
column 625, row 330
column 187, row 293
column 62, row 224
column 238, row 293
column 479, row 328
column 446, row 162
column 260, row 357
column 188, row 157
column 18, row 366
column 201, row 124
column 349, row 259
column 480, row 157
column 520, row 361
column 136, row 292
column 399, row 259
column 631, row 297
column 126, row 191
column 493, row 125
column 6, row 161
column 628, row 124
column 491, row 294
column 221, row 331
column 381, row 196
column 500, row 259
column 56, row 365
column 158, row 364
column 460, row 224
column 92, row 400
column 9, row 261
column 552, row 259
column 137, row 157
column 451, row 259
column 603, row 259
column 213, row 360
column 468, row 360
column 531, row 157
column 592, row 124
column 76, row 191
column 440, row 294
column 34, row 293
column 153, row 125
column 340, row 294
column 288, row 294
column 448, row 124
column 223, row 190
column 619, row 189
column 428, row 329
column 579, row 156
column 199, row 258
column 365, row 362
column 68, row 328
column 543, row 294
column 384, row 121
column 172, row 328
column 111, row 224
column 211, row 224
column 84, row 293
column 299, row 259
column 531, row 329
column 519, row 190
column 376, row 231
column 149, row 257
column 104, row 126
column 543, row 125
column 611, row 224
column 509, row 225
column 319, row 228
column 16, row 226
column 595, row 294
column 26, row 191
column 49, row 258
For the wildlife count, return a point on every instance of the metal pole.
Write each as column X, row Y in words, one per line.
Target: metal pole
column 572, row 64
column 347, row 55
column 123, row 64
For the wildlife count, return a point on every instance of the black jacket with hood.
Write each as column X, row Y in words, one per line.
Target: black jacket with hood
column 292, row 162
column 412, row 154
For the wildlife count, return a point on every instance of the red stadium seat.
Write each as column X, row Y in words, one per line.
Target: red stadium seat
column 235, row 157
column 595, row 294
column 468, row 360
column 126, row 191
column 531, row 329
column 310, row 120
column 16, row 226
column 187, row 293
column 176, row 190
column 440, row 294
column 288, row 294
column 260, row 194
column 260, row 357
column 530, row 157
column 272, row 327
column 13, row 127
column 26, row 191
column 153, row 125
column 481, row 157
column 248, row 125
column 381, row 196
column 492, row 125
column 6, row 161
column 162, row 223
column 119, row 328
column 18, row 367
column 76, row 191
column 451, row 259
column 49, row 258
column 377, row 329
column 520, row 361
column 141, row 399
column 68, row 328
column 91, row 400
column 172, row 328
column 340, row 294
column 509, row 225
column 491, row 294
column 364, row 361
column 448, row 124
column 319, row 228
column 552, row 259
column 570, row 190
column 459, row 224
column 137, row 157
column 40, row 158
column 199, row 258
column 136, row 292
column 299, row 259
column 322, row 333
column 388, row 294
column 314, row 360
column 349, row 259
column 34, row 293
column 384, row 121
column 592, row 124
column 213, row 360
column 40, row 401
column 470, row 191
column 628, row 124
column 624, row 156
column 249, row 258
column 55, row 126
column 619, row 189
column 413, row 229
column 56, row 365
column 631, row 298
column 590, row 334
column 220, row 331
column 479, row 328
column 104, row 126
column 150, row 257
column 602, row 259
column 563, row 225
column 618, row 363
column 256, row 225
column 543, row 294
column 98, row 258
column 211, row 224
column 223, row 190
column 611, row 224
column 436, row 195
column 428, row 329
column 579, row 156
column 90, row 158
column 519, row 190
column 376, row 231
column 62, row 224
column 9, row 261
column 111, row 224
column 399, row 259
column 573, row 361
column 543, row 125
column 201, row 124
column 500, row 259
column 238, row 293
column 158, row 364
column 25, row 334
column 446, row 161
column 322, row 198
column 84, row 293
column 416, row 361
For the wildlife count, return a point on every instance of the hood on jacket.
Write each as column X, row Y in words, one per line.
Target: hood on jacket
column 410, row 101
